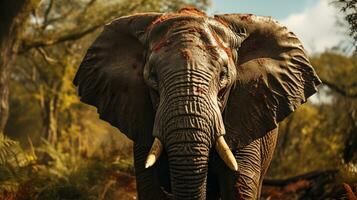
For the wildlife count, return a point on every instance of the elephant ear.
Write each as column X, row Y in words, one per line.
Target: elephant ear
column 110, row 77
column 274, row 77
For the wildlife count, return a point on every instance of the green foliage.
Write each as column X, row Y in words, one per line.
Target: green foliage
column 349, row 8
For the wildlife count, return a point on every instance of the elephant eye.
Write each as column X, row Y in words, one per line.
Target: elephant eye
column 153, row 79
column 153, row 76
column 223, row 74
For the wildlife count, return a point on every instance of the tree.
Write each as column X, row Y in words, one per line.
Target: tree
column 336, row 72
column 15, row 13
column 349, row 8
column 51, row 35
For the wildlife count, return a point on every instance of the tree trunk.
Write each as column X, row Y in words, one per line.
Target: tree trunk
column 350, row 147
column 5, row 57
column 49, row 119
column 13, row 17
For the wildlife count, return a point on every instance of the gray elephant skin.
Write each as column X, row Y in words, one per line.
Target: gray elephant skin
column 201, row 97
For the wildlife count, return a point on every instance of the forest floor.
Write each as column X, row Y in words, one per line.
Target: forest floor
column 314, row 185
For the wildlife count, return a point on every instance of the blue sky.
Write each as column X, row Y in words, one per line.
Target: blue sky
column 278, row 9
column 313, row 21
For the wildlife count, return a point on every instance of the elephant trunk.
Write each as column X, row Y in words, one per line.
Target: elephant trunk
column 188, row 136
column 188, row 162
column 188, row 144
column 188, row 122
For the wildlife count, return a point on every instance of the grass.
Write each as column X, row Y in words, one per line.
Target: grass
column 56, row 174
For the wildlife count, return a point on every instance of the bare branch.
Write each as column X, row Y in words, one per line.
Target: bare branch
column 47, row 12
column 45, row 56
column 88, row 5
column 71, row 36
column 338, row 89
column 56, row 19
column 77, row 33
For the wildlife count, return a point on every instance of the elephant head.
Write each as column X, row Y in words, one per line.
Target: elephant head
column 186, row 83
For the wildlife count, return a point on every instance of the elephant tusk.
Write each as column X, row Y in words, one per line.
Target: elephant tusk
column 226, row 154
column 154, row 153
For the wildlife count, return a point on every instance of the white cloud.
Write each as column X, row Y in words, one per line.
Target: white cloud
column 317, row 27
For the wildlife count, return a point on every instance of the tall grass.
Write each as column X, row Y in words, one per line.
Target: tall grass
column 53, row 173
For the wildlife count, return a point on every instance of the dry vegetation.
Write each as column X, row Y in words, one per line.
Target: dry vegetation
column 60, row 150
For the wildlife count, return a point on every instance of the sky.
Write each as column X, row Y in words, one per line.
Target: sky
column 313, row 21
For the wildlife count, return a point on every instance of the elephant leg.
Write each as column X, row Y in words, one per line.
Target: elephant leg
column 253, row 161
column 248, row 177
column 224, row 177
column 147, row 182
column 244, row 183
column 268, row 144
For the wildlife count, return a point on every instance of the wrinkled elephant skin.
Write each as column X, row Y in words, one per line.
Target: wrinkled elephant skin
column 209, row 90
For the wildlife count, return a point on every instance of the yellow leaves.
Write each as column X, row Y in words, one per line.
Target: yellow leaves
column 306, row 118
column 68, row 101
column 311, row 141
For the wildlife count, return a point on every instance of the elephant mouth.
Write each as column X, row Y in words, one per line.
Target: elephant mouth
column 172, row 178
column 188, row 172
column 186, row 149
column 221, row 146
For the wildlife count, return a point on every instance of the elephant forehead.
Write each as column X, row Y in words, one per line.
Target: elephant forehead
column 174, row 28
column 183, row 13
column 184, row 58
column 192, row 38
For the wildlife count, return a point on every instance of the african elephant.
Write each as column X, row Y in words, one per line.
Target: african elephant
column 200, row 96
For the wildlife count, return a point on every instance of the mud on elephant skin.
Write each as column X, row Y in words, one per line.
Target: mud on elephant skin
column 200, row 96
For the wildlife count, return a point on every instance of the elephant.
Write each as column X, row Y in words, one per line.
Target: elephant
column 200, row 96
